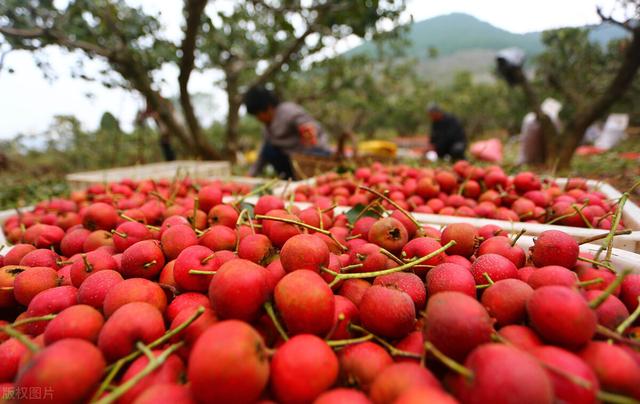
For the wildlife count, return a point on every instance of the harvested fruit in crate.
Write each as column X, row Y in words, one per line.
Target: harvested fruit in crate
column 468, row 191
column 146, row 297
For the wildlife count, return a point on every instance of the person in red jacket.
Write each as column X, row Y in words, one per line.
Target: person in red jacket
column 288, row 128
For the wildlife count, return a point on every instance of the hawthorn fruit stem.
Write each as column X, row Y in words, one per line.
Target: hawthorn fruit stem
column 20, row 337
column 613, row 398
column 595, row 303
column 196, row 206
column 257, row 190
column 30, row 320
column 629, row 320
column 582, row 216
column 150, row 263
column 392, row 350
column 604, row 331
column 590, row 282
column 390, row 255
column 160, row 341
column 616, row 221
column 305, row 225
column 272, row 315
column 603, row 235
column 597, row 263
column 488, row 278
column 350, row 341
column 448, row 362
column 338, row 277
column 154, row 363
column 402, row 210
column 201, row 272
column 517, row 237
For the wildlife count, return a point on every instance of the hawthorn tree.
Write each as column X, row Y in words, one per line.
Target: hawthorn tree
column 588, row 79
column 254, row 43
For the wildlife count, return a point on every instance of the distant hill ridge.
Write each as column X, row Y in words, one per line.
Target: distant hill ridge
column 456, row 32
column 463, row 42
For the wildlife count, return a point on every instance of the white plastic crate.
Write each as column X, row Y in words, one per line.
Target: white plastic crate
column 195, row 169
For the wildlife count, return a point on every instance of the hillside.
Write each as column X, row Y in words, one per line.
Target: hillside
column 463, row 42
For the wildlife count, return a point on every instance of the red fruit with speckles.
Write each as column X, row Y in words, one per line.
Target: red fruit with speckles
column 399, row 378
column 502, row 246
column 305, row 302
column 615, row 368
column 354, row 289
column 387, row 312
column 304, row 251
column 70, row 370
column 567, row 390
column 345, row 313
column 27, row 284
column 456, row 324
column 129, row 324
column 388, row 233
column 408, row 283
column 450, row 277
column 50, row 301
column 144, row 259
column 423, row 394
column 554, row 247
column 506, row 300
column 94, row 289
column 302, row 369
column 420, row 247
column 100, row 216
column 208, row 197
column 520, row 336
column 199, row 258
column 503, row 374
column 552, row 275
column 239, row 290
column 14, row 256
column 219, row 238
column 134, row 290
column 342, row 395
column 611, row 313
column 256, row 248
column 361, row 363
column 168, row 372
column 495, row 266
column 94, row 261
column 465, row 236
column 185, row 301
column 79, row 321
column 176, row 238
column 225, row 215
column 561, row 316
column 241, row 369
column 129, row 233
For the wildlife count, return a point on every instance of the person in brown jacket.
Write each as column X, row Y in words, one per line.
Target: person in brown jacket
column 288, row 128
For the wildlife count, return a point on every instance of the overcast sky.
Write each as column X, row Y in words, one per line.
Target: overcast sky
column 28, row 102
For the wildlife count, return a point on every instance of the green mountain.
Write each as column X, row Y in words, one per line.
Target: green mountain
column 449, row 43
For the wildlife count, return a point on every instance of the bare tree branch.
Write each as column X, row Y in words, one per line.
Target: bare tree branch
column 624, row 24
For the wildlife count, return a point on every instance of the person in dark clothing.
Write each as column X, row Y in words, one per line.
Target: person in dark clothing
column 447, row 134
column 165, row 134
column 288, row 128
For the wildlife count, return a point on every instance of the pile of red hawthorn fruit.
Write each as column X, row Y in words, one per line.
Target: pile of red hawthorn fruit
column 468, row 191
column 161, row 293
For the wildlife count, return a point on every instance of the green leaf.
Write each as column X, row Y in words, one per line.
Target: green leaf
column 249, row 207
column 355, row 213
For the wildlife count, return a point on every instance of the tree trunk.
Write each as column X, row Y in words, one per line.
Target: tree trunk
column 233, row 116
